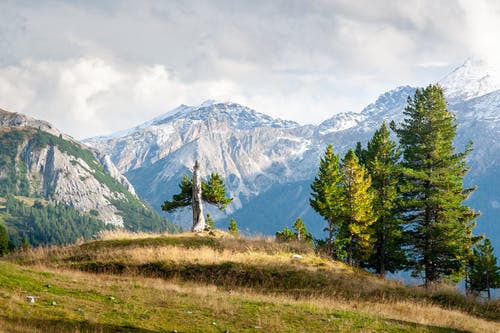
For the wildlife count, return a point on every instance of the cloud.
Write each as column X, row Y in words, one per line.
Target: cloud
column 92, row 67
column 90, row 96
column 482, row 24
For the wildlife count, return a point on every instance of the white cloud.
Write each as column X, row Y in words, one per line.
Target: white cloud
column 482, row 26
column 90, row 96
column 94, row 67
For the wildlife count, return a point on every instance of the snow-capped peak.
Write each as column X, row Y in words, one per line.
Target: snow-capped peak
column 389, row 100
column 236, row 115
column 474, row 78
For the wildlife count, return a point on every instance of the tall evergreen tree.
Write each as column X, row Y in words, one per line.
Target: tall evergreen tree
column 194, row 192
column 483, row 273
column 355, row 236
column 439, row 225
column 327, row 193
column 381, row 159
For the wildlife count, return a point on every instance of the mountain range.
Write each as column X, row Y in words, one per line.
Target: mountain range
column 268, row 164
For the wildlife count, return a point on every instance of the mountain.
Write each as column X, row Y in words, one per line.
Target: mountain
column 37, row 161
column 268, row 164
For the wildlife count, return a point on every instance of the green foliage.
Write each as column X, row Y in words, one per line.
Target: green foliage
column 381, row 160
column 356, row 212
column 13, row 172
column 341, row 194
column 286, row 235
column 182, row 199
column 327, row 193
column 301, row 234
column 439, row 225
column 139, row 217
column 4, row 238
column 233, row 228
column 214, row 192
column 50, row 224
column 43, row 139
column 210, row 222
column 483, row 272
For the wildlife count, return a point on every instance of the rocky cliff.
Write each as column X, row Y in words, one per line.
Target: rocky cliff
column 38, row 161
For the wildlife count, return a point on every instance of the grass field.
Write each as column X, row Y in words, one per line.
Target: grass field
column 192, row 283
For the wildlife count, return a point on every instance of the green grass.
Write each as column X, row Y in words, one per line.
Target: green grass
column 118, row 305
column 213, row 284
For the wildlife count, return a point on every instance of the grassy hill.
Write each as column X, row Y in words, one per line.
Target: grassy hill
column 202, row 283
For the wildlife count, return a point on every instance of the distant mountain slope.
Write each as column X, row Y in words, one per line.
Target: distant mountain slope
column 268, row 164
column 38, row 161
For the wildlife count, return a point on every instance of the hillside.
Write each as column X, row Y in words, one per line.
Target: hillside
column 194, row 283
column 69, row 190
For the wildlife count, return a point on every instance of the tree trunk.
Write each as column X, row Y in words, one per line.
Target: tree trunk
column 197, row 205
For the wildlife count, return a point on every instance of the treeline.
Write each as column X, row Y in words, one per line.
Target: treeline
column 392, row 207
column 47, row 224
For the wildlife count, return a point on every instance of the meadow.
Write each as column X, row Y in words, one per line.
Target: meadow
column 126, row 282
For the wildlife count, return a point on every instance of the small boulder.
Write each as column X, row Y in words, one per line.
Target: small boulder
column 297, row 257
column 30, row 299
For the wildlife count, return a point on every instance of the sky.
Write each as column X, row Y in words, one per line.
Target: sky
column 96, row 67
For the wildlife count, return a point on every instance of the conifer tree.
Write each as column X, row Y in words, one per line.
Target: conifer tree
column 356, row 213
column 210, row 222
column 286, row 235
column 360, row 153
column 483, row 273
column 233, row 227
column 439, row 225
column 194, row 191
column 381, row 159
column 326, row 195
column 4, row 238
column 300, row 230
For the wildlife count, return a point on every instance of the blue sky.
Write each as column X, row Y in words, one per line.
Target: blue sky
column 95, row 67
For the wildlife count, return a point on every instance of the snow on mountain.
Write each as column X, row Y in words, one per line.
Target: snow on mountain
column 472, row 79
column 340, row 122
column 268, row 164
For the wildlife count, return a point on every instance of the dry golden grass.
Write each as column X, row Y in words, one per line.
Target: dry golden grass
column 124, row 234
column 222, row 302
column 340, row 288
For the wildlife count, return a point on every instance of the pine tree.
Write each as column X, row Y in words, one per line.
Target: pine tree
column 300, row 229
column 381, row 159
column 440, row 227
column 233, row 227
column 194, row 192
column 360, row 153
column 286, row 235
column 326, row 195
column 210, row 222
column 356, row 213
column 483, row 273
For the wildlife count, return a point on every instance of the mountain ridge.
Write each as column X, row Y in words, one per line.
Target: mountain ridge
column 265, row 161
column 37, row 161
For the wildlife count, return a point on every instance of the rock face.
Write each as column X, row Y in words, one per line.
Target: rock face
column 268, row 164
column 60, row 177
column 61, row 170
